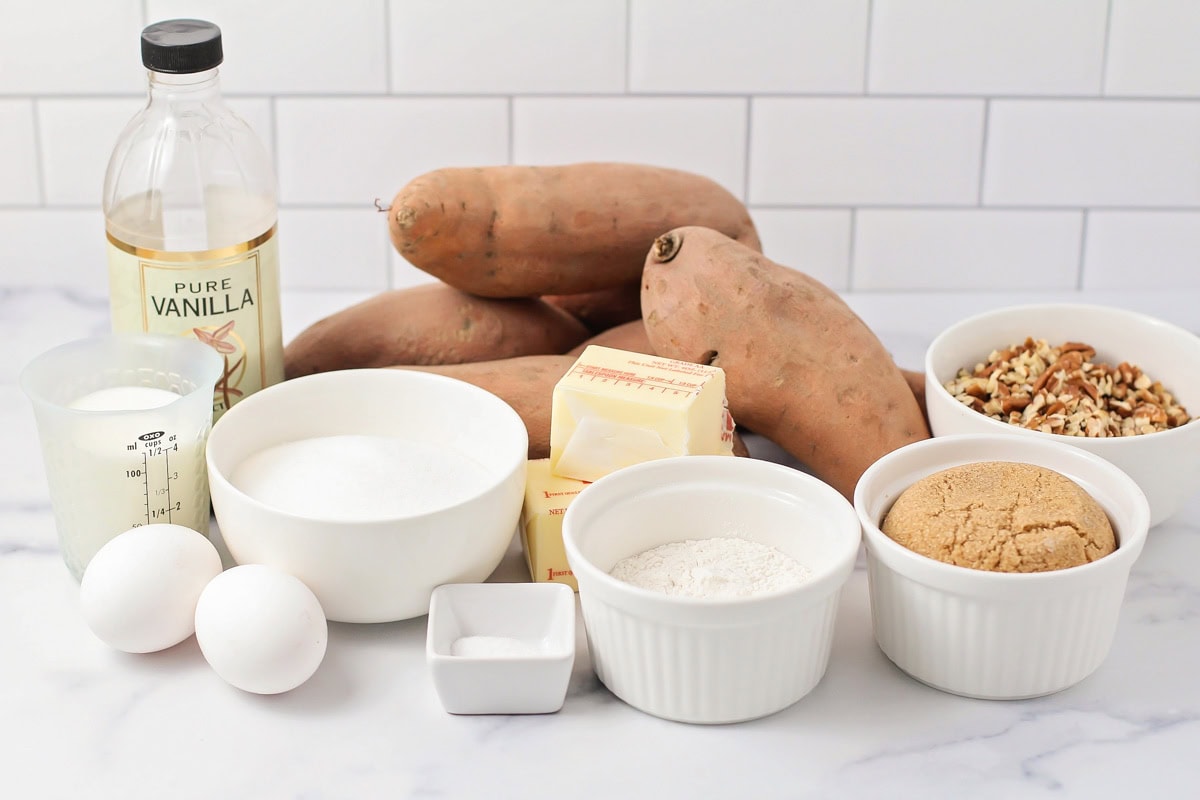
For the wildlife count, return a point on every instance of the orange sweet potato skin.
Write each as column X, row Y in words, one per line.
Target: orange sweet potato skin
column 430, row 324
column 916, row 384
column 603, row 308
column 521, row 231
column 801, row 368
column 630, row 337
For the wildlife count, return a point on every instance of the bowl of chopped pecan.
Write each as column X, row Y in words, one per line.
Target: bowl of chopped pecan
column 1111, row 381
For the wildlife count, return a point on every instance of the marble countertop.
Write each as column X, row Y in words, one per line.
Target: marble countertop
column 78, row 719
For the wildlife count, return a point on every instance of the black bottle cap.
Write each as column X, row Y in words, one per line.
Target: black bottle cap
column 181, row 46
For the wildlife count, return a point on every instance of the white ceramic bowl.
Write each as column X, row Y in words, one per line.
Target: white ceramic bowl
column 375, row 569
column 996, row 635
column 501, row 648
column 699, row 659
column 1165, row 464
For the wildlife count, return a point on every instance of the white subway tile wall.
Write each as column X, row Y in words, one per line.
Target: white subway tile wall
column 53, row 247
column 700, row 134
column 710, row 46
column 865, row 151
column 18, row 143
column 1142, row 250
column 966, row 249
column 350, row 151
column 1093, row 153
column 72, row 48
column 1010, row 47
column 881, row 145
column 466, row 46
column 334, row 248
column 298, row 48
column 1152, row 48
column 77, row 137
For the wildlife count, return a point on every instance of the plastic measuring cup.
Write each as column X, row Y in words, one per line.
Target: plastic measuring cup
column 123, row 421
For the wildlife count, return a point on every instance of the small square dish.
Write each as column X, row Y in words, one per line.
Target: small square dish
column 501, row 648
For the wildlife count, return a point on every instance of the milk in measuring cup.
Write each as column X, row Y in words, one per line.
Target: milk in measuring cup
column 131, row 469
column 123, row 420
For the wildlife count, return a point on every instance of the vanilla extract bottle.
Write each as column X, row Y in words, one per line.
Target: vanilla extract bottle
column 190, row 213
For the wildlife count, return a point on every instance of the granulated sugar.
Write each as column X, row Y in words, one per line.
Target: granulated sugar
column 711, row 568
column 357, row 477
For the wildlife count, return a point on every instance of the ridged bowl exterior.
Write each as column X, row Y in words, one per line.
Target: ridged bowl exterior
column 1025, row 645
column 997, row 635
column 708, row 674
column 708, row 659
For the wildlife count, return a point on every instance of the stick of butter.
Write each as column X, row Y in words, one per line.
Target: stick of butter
column 615, row 408
column 546, row 499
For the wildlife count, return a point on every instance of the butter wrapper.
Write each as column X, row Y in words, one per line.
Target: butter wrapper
column 615, row 408
column 546, row 499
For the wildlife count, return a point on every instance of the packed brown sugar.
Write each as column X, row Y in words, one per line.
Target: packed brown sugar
column 1002, row 517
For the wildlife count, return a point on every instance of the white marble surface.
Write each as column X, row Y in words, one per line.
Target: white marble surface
column 80, row 720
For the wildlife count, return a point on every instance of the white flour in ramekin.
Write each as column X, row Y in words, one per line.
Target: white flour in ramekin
column 711, row 568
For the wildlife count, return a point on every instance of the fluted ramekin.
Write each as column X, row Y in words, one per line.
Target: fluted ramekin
column 996, row 635
column 1166, row 464
column 707, row 660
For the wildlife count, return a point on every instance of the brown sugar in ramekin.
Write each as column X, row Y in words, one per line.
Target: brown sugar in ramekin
column 1002, row 517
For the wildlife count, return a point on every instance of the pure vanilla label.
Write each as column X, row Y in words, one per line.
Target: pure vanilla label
column 227, row 298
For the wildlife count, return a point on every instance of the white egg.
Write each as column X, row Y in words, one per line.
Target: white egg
column 261, row 629
column 139, row 591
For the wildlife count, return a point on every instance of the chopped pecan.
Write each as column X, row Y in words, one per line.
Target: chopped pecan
column 1061, row 390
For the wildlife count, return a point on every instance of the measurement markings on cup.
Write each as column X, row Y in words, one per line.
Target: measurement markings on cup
column 156, row 448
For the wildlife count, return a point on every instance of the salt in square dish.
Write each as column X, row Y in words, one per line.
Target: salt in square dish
column 501, row 648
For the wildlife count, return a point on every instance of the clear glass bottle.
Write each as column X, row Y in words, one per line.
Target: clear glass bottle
column 190, row 211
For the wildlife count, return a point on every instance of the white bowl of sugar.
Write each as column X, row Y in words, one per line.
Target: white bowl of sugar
column 372, row 486
column 709, row 584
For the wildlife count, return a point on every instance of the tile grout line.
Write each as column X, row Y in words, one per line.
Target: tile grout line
column 746, row 149
column 388, row 84
column 987, row 114
column 1083, row 227
column 850, row 250
column 866, row 85
column 1104, row 49
column 39, row 155
column 511, row 145
column 389, row 274
column 628, row 41
column 271, row 106
column 1171, row 99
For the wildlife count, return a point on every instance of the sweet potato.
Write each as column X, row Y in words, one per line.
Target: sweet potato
column 916, row 384
column 520, row 231
column 527, row 384
column 603, row 308
column 630, row 337
column 431, row 324
column 801, row 368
